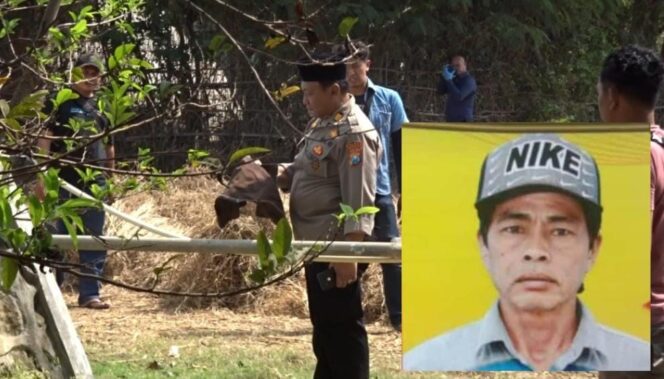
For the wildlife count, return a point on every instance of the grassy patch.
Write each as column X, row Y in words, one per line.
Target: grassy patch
column 204, row 362
column 149, row 359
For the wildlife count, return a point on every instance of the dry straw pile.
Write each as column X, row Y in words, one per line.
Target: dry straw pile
column 186, row 208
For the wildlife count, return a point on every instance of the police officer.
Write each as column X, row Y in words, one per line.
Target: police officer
column 101, row 152
column 337, row 163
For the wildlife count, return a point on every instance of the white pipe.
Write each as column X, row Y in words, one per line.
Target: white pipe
column 77, row 192
column 342, row 251
column 133, row 220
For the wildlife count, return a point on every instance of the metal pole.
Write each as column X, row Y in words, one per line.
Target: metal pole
column 361, row 252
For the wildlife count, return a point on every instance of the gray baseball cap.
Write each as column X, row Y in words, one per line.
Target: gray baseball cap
column 90, row 59
column 539, row 162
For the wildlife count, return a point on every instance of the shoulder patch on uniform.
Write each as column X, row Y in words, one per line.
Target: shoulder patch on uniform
column 317, row 150
column 354, row 152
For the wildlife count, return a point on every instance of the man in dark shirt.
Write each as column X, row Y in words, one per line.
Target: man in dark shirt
column 80, row 117
column 460, row 88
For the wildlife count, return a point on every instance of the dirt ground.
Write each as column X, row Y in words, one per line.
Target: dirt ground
column 138, row 317
column 133, row 318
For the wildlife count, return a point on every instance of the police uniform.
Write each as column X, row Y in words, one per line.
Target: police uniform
column 336, row 164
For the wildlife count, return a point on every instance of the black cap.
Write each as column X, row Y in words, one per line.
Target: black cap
column 328, row 68
column 90, row 59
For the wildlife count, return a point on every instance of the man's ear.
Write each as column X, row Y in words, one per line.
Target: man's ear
column 594, row 251
column 368, row 64
column 612, row 97
column 335, row 89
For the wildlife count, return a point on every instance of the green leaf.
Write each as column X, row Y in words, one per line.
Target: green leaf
column 273, row 42
column 51, row 179
column 71, row 229
column 12, row 123
column 78, row 222
column 368, row 210
column 30, row 106
column 159, row 183
column 124, row 117
column 239, row 154
column 77, row 74
column 216, row 42
column 112, row 62
column 6, row 219
column 123, row 50
column 179, row 171
column 283, row 237
column 340, row 218
column 80, row 27
column 86, row 12
column 4, row 108
column 258, row 276
column 193, row 156
column 80, row 203
column 17, row 238
column 8, row 271
column 36, row 210
column 63, row 95
column 346, row 25
column 264, row 250
column 9, row 27
column 56, row 34
column 347, row 210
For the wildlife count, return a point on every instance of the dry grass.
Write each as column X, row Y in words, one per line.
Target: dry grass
column 186, row 208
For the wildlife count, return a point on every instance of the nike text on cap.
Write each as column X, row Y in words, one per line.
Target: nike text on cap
column 537, row 162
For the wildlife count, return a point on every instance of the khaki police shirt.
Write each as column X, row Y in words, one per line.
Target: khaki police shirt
column 336, row 164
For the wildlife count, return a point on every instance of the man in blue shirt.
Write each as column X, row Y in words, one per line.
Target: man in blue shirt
column 460, row 88
column 540, row 215
column 385, row 109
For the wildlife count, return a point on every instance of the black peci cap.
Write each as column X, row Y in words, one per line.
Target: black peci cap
column 324, row 68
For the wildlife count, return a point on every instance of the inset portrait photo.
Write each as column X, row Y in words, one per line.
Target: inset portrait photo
column 526, row 247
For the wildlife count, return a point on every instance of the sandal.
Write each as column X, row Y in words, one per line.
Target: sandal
column 95, row 304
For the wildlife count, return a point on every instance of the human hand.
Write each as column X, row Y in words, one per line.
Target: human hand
column 346, row 273
column 448, row 72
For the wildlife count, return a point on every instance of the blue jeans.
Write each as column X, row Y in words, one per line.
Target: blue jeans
column 92, row 261
column 385, row 229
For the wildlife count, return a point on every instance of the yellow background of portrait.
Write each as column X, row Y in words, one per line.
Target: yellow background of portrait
column 445, row 284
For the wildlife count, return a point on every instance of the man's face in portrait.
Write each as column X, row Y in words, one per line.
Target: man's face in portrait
column 538, row 250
